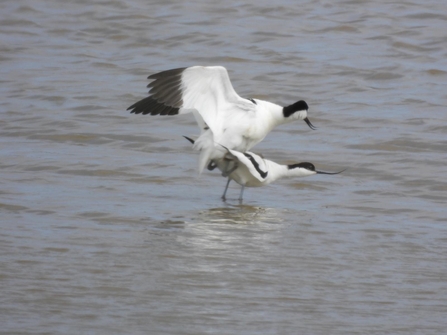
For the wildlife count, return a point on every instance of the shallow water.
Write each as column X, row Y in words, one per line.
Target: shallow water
column 107, row 229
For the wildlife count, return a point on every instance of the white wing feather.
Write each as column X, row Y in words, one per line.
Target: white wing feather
column 209, row 91
column 220, row 112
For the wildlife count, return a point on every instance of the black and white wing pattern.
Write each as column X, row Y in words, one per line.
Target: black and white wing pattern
column 205, row 90
column 255, row 164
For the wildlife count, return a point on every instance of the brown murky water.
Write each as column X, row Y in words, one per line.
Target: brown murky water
column 106, row 228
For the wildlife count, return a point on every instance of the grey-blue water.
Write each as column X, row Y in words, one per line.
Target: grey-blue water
column 105, row 227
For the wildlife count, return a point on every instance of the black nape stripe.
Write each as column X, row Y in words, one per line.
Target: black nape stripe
column 256, row 165
column 252, row 100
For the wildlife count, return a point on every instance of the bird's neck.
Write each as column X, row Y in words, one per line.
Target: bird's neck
column 275, row 171
column 298, row 172
column 273, row 115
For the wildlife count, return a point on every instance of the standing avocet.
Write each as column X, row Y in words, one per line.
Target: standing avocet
column 251, row 170
column 224, row 118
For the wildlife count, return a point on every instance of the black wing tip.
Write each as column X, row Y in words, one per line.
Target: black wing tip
column 167, row 73
column 131, row 108
column 166, row 95
column 151, row 106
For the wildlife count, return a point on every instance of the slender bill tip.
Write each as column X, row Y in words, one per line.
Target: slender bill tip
column 311, row 126
column 322, row 172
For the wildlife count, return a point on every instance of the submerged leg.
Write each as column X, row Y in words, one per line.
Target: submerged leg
column 226, row 188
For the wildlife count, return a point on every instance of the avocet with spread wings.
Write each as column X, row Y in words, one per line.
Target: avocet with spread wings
column 225, row 119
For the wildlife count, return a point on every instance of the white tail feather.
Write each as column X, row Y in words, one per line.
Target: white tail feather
column 205, row 144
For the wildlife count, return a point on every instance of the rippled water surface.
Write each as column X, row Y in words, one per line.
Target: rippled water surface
column 107, row 229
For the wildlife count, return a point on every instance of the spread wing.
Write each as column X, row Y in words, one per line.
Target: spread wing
column 205, row 90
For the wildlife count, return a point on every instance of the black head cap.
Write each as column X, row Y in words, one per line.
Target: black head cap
column 297, row 106
column 310, row 167
column 304, row 165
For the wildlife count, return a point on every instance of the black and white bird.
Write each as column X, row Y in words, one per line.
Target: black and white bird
column 252, row 170
column 224, row 118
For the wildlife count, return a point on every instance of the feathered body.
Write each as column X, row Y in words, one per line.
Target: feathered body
column 252, row 170
column 224, row 118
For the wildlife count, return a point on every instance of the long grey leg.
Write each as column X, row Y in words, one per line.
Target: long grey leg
column 226, row 188
column 242, row 192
